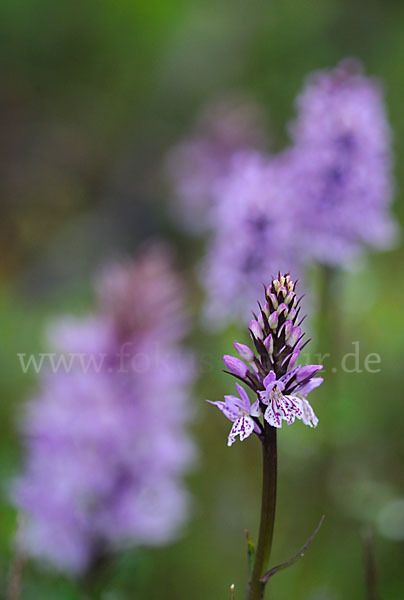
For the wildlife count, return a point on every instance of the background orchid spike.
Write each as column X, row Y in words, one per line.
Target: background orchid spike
column 104, row 463
column 342, row 168
column 280, row 386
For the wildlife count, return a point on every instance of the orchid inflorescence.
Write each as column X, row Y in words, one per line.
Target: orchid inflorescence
column 104, row 465
column 270, row 370
column 325, row 199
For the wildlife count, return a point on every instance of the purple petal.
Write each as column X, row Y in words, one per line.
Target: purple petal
column 228, row 408
column 235, row 365
column 310, row 386
column 288, row 376
column 307, row 371
column 269, row 381
column 244, row 402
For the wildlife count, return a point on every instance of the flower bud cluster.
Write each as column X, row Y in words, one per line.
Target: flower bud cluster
column 275, row 333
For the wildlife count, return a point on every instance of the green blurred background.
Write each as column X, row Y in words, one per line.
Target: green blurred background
column 92, row 96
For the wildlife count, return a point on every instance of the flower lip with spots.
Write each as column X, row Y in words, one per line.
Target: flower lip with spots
column 238, row 410
column 285, row 398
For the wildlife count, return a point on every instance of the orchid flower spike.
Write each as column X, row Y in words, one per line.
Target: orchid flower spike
column 280, row 387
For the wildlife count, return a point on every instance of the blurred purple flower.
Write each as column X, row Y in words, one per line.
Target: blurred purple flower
column 342, row 165
column 253, row 235
column 323, row 200
column 107, row 443
column 225, row 128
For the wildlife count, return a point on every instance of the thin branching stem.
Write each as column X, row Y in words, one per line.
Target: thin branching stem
column 295, row 557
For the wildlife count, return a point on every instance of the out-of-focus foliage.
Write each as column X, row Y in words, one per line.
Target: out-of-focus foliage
column 93, row 94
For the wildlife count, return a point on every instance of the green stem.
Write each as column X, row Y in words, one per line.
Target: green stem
column 268, row 505
column 370, row 564
column 15, row 577
column 93, row 581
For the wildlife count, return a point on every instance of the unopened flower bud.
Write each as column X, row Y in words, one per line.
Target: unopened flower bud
column 293, row 359
column 274, row 300
column 261, row 321
column 288, row 327
column 273, row 320
column 289, row 297
column 235, row 365
column 269, row 344
column 256, row 329
column 282, row 309
column 244, row 351
column 294, row 335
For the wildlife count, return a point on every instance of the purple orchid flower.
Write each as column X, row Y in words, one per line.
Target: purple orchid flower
column 238, row 410
column 286, row 401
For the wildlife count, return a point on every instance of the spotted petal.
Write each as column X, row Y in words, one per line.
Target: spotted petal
column 273, row 414
column 308, row 417
column 243, row 427
column 292, row 408
column 229, row 407
column 283, row 408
